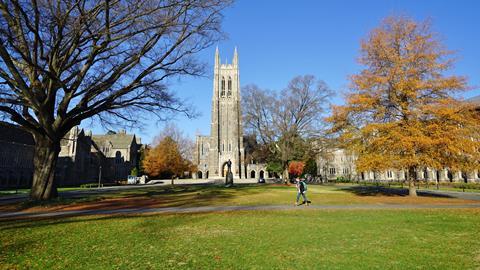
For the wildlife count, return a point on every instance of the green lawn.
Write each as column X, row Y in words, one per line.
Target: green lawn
column 290, row 239
column 188, row 196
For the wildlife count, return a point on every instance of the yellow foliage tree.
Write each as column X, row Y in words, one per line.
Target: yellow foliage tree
column 401, row 112
column 165, row 160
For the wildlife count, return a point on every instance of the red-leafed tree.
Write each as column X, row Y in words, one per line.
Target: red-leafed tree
column 295, row 168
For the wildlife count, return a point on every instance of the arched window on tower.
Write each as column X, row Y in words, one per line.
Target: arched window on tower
column 229, row 93
column 223, row 87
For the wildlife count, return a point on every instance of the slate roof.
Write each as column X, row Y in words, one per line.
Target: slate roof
column 14, row 134
column 118, row 141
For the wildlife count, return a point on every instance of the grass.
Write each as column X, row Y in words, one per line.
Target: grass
column 7, row 192
column 188, row 196
column 296, row 239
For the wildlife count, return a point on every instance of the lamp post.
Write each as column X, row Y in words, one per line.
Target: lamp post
column 99, row 176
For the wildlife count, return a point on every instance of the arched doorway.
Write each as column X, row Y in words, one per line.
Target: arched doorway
column 262, row 174
column 199, row 174
column 225, row 168
column 464, row 177
column 252, row 174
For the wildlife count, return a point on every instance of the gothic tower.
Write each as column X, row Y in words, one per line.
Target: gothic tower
column 226, row 136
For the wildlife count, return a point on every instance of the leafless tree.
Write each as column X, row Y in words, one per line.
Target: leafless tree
column 287, row 120
column 65, row 61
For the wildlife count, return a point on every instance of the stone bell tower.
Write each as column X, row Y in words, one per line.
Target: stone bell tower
column 226, row 136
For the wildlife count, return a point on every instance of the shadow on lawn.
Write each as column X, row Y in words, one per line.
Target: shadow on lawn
column 385, row 191
column 169, row 196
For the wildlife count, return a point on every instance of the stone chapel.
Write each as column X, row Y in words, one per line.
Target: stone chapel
column 226, row 135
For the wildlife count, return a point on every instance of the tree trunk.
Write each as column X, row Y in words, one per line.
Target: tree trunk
column 44, row 163
column 412, row 190
column 285, row 176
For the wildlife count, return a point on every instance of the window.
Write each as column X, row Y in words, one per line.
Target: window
column 118, row 157
column 202, row 149
column 223, row 87
column 229, row 93
column 389, row 174
column 332, row 170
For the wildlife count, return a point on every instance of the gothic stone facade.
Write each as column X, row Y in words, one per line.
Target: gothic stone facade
column 80, row 159
column 340, row 163
column 226, row 136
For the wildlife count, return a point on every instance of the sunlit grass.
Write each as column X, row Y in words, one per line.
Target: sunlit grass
column 295, row 239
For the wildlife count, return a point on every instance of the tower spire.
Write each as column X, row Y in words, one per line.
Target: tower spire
column 235, row 57
column 217, row 58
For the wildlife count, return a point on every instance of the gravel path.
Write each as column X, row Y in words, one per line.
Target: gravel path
column 128, row 211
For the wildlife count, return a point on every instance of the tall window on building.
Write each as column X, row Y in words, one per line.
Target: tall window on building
column 389, row 174
column 118, row 157
column 229, row 93
column 332, row 170
column 223, row 87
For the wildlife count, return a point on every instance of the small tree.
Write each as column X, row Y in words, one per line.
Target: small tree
column 402, row 113
column 310, row 167
column 134, row 172
column 295, row 168
column 275, row 167
column 165, row 160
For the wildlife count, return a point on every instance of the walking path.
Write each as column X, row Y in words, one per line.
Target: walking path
column 200, row 209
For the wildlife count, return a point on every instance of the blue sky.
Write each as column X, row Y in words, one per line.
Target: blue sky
column 278, row 40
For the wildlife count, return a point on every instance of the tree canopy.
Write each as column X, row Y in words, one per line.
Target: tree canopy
column 165, row 160
column 402, row 112
column 65, row 61
column 286, row 123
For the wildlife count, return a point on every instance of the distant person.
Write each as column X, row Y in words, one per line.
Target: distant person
column 301, row 191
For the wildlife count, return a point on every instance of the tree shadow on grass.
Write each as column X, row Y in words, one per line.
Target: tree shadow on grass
column 166, row 196
column 385, row 191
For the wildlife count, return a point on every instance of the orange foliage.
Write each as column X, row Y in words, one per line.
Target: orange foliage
column 295, row 168
column 401, row 112
column 165, row 160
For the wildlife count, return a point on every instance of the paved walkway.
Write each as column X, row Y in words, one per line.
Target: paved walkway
column 200, row 209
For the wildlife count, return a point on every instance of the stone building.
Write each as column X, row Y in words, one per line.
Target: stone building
column 82, row 156
column 341, row 164
column 16, row 156
column 226, row 135
column 121, row 152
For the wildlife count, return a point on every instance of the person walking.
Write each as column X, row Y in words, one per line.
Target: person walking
column 301, row 191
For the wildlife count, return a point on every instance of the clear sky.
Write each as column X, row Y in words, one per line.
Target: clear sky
column 278, row 40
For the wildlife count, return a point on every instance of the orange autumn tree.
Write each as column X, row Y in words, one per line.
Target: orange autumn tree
column 295, row 168
column 165, row 160
column 401, row 112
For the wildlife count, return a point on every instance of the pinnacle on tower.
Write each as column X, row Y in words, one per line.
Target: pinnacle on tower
column 217, row 58
column 235, row 57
